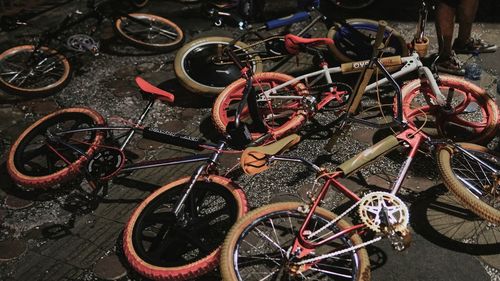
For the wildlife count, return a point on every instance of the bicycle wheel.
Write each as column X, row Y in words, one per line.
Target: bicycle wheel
column 31, row 73
column 257, row 246
column 280, row 116
column 35, row 161
column 472, row 116
column 474, row 183
column 150, row 32
column 162, row 247
column 348, row 46
column 202, row 67
column 352, row 4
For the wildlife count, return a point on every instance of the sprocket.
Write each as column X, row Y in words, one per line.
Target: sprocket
column 376, row 205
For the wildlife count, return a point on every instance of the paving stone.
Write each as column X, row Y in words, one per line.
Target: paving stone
column 146, row 67
column 189, row 113
column 364, row 134
column 148, row 144
column 10, row 116
column 155, row 78
column 109, row 268
column 229, row 160
column 15, row 203
column 285, row 197
column 44, row 107
column 126, row 72
column 173, row 126
column 122, row 88
column 11, row 249
column 3, row 214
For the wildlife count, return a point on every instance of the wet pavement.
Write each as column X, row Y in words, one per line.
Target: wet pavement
column 65, row 234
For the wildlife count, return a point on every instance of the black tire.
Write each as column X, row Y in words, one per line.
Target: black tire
column 279, row 224
column 149, row 32
column 196, row 71
column 34, row 162
column 33, row 74
column 347, row 47
column 474, row 183
column 187, row 247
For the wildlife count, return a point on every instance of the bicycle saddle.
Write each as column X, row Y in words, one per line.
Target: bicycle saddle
column 148, row 88
column 255, row 159
column 294, row 43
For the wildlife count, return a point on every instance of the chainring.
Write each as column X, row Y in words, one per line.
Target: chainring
column 373, row 206
column 105, row 163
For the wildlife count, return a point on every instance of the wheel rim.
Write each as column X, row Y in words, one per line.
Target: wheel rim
column 161, row 240
column 151, row 30
column 468, row 118
column 482, row 182
column 275, row 114
column 257, row 254
column 26, row 71
column 200, row 64
column 356, row 48
column 35, row 156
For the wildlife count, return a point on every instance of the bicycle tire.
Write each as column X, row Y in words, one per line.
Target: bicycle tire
column 197, row 54
column 159, row 28
column 24, row 171
column 241, row 236
column 176, row 268
column 450, row 123
column 352, row 5
column 20, row 57
column 346, row 49
column 461, row 174
column 227, row 101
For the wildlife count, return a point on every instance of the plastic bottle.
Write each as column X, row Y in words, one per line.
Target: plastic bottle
column 472, row 68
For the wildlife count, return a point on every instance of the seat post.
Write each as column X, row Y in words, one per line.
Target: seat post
column 139, row 122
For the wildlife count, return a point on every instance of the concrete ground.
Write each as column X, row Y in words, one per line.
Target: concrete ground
column 62, row 234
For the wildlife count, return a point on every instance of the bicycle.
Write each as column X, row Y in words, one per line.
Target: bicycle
column 289, row 240
column 195, row 212
column 202, row 65
column 40, row 69
column 283, row 241
column 276, row 104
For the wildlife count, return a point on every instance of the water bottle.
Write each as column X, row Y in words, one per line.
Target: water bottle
column 472, row 68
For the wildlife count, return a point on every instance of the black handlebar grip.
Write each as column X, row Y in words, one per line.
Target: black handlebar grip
column 172, row 138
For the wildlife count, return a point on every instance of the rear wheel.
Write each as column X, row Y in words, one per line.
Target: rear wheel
column 202, row 66
column 161, row 246
column 32, row 72
column 36, row 160
column 279, row 116
column 349, row 46
column 149, row 31
column 475, row 183
column 257, row 247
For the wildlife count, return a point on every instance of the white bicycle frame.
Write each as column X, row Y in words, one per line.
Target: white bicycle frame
column 410, row 64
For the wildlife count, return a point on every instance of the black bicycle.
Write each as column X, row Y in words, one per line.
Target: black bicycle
column 44, row 67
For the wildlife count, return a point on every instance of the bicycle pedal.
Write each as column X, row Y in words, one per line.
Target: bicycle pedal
column 401, row 240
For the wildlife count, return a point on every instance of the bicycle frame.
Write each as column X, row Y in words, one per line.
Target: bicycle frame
column 409, row 64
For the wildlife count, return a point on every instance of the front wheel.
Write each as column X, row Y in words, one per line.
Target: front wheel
column 476, row 182
column 150, row 32
column 203, row 67
column 349, row 45
column 161, row 246
column 472, row 116
column 257, row 248
column 33, row 72
column 41, row 158
column 279, row 116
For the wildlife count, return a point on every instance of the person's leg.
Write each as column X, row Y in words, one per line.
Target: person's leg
column 466, row 12
column 445, row 21
column 464, row 43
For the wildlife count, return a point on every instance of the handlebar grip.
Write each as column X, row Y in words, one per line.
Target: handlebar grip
column 297, row 17
column 380, row 35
